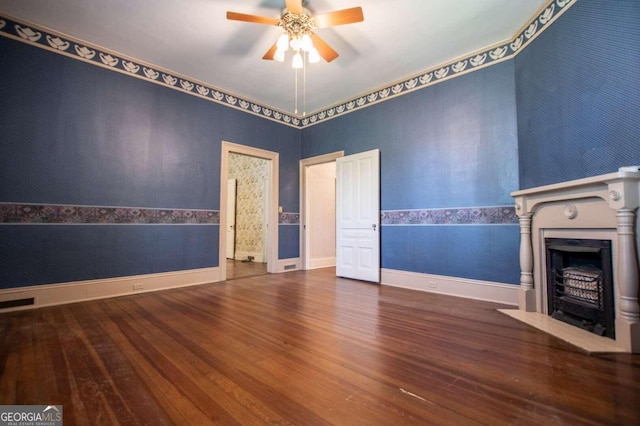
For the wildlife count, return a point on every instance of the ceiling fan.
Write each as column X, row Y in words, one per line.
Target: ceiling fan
column 299, row 26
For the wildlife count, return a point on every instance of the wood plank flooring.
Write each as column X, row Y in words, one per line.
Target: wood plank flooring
column 305, row 348
column 240, row 269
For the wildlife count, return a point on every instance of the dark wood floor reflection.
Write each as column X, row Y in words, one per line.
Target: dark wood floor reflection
column 240, row 269
column 305, row 348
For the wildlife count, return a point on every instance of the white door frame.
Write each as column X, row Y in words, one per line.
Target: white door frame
column 304, row 209
column 231, row 223
column 272, row 198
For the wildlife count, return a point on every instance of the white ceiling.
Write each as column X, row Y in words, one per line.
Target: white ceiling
column 398, row 39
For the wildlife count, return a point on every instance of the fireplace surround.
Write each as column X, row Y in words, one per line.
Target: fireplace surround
column 599, row 208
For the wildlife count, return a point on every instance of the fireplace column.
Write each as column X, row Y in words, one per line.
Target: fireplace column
column 624, row 198
column 527, row 296
column 628, row 321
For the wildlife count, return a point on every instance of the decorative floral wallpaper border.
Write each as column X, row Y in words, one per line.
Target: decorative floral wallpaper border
column 288, row 218
column 107, row 59
column 64, row 214
column 20, row 213
column 456, row 216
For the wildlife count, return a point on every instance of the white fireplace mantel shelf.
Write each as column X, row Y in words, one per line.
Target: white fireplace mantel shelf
column 620, row 189
column 599, row 205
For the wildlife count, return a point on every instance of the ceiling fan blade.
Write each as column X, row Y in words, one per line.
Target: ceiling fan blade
column 294, row 6
column 235, row 16
column 339, row 17
column 271, row 52
column 327, row 53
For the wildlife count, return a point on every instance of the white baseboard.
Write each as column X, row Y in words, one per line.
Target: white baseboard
column 78, row 291
column 288, row 265
column 452, row 286
column 325, row 262
column 59, row 294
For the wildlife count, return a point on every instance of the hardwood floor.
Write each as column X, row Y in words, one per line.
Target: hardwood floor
column 240, row 269
column 305, row 348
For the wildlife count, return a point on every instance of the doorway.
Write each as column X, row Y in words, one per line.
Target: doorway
column 246, row 211
column 317, row 207
column 256, row 252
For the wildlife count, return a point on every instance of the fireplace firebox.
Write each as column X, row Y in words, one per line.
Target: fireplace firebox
column 580, row 283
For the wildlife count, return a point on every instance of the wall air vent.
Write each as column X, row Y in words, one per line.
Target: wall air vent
column 7, row 304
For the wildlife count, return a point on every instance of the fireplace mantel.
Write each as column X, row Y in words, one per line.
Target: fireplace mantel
column 599, row 206
column 619, row 189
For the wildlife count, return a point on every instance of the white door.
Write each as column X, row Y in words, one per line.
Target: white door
column 358, row 216
column 231, row 217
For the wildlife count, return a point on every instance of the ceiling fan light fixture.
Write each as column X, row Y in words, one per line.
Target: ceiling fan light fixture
column 298, row 23
column 305, row 43
column 283, row 43
column 297, row 61
column 314, row 56
column 295, row 43
column 279, row 55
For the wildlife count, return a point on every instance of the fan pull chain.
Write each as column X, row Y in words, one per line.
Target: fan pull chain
column 296, row 92
column 304, row 84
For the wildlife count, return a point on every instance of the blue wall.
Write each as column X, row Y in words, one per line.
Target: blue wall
column 72, row 133
column 578, row 94
column 449, row 145
column 38, row 254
